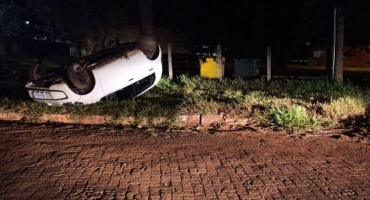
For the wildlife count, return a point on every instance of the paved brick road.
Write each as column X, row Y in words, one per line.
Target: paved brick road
column 76, row 162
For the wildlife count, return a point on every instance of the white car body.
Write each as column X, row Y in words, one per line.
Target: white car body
column 130, row 69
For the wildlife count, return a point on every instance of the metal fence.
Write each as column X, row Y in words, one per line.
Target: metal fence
column 181, row 64
column 190, row 64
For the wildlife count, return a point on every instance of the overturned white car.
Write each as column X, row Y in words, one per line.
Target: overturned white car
column 130, row 69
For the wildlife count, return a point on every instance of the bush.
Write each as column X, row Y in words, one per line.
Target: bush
column 294, row 118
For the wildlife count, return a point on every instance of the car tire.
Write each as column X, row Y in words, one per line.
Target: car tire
column 80, row 77
column 149, row 46
column 35, row 72
column 109, row 41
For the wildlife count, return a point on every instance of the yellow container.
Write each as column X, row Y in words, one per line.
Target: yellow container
column 209, row 69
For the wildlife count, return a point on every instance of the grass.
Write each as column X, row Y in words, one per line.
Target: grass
column 294, row 118
column 289, row 104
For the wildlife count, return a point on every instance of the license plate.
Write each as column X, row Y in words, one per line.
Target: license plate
column 38, row 95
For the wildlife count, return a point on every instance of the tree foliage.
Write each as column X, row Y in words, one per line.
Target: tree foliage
column 55, row 19
column 315, row 23
column 12, row 19
column 356, row 28
column 317, row 20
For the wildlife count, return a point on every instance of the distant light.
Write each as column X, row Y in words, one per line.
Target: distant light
column 27, row 22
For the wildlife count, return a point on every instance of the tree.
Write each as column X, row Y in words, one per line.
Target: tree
column 70, row 19
column 316, row 22
column 356, row 14
column 12, row 19
column 78, row 19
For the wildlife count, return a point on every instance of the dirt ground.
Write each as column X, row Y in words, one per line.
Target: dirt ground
column 41, row 161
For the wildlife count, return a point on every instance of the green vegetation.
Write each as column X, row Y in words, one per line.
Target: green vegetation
column 289, row 104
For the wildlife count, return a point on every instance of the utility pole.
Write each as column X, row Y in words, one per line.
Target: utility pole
column 334, row 50
column 170, row 69
column 219, row 62
column 339, row 46
column 146, row 17
column 268, row 63
column 147, row 41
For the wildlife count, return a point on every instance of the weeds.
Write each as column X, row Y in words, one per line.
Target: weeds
column 293, row 118
column 290, row 104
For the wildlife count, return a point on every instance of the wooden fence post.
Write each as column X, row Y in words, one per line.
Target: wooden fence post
column 339, row 51
column 170, row 70
column 268, row 63
column 219, row 62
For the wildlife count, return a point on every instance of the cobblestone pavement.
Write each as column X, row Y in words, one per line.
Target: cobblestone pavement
column 95, row 162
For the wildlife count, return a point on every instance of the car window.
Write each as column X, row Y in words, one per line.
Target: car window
column 134, row 89
column 145, row 83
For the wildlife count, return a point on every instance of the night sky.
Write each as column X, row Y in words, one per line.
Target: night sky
column 224, row 19
column 241, row 25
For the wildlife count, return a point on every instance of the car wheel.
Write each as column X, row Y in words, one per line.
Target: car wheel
column 80, row 77
column 35, row 72
column 109, row 41
column 148, row 45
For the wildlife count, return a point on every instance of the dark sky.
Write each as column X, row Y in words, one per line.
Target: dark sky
column 236, row 23
column 244, row 24
column 252, row 24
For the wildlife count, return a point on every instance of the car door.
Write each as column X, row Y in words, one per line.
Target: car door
column 141, row 65
column 116, row 75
